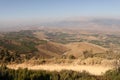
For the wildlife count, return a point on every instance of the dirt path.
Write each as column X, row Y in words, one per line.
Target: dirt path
column 96, row 70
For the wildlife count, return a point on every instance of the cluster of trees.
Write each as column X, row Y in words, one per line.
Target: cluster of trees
column 7, row 56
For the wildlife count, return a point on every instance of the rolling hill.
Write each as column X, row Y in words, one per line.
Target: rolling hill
column 78, row 48
column 52, row 49
column 28, row 44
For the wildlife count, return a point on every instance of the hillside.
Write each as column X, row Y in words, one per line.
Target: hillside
column 52, row 49
column 40, row 35
column 39, row 44
column 79, row 48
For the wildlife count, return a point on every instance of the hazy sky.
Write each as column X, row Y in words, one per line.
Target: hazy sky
column 58, row 8
column 28, row 10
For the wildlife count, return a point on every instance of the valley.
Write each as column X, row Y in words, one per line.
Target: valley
column 67, row 49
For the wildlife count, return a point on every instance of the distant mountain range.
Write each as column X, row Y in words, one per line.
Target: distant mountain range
column 89, row 24
column 104, row 24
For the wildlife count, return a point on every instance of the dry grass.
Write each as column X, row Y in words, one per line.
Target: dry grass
column 78, row 48
column 96, row 70
column 67, row 64
column 52, row 49
column 40, row 35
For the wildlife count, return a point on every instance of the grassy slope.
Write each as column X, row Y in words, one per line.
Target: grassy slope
column 78, row 48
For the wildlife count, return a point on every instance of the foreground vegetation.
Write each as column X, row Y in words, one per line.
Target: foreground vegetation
column 25, row 74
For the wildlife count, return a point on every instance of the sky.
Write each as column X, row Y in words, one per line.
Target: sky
column 47, row 10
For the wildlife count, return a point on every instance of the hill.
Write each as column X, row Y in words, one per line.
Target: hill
column 51, row 49
column 37, row 44
column 80, row 48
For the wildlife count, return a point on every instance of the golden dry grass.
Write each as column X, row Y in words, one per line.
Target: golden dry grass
column 78, row 48
column 96, row 70
column 40, row 35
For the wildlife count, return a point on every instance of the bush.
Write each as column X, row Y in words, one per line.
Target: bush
column 71, row 57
